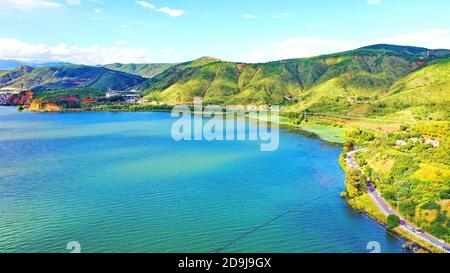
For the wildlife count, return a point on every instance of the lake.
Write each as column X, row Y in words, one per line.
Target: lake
column 118, row 182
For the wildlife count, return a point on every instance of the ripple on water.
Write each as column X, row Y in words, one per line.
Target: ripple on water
column 119, row 183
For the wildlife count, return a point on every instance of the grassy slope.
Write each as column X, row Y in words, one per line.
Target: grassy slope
column 55, row 95
column 144, row 70
column 415, row 178
column 422, row 95
column 327, row 133
column 336, row 83
column 9, row 77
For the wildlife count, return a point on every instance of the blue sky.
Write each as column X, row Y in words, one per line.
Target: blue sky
column 104, row 31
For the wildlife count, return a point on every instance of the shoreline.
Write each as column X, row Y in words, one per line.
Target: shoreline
column 320, row 131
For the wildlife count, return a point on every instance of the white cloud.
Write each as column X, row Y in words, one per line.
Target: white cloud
column 250, row 16
column 290, row 48
column 299, row 47
column 98, row 14
column 146, row 5
column 432, row 38
column 281, row 15
column 374, row 2
column 169, row 11
column 28, row 4
column 308, row 46
column 16, row 49
column 73, row 2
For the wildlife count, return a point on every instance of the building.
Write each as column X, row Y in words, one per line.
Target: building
column 113, row 93
column 131, row 98
column 5, row 98
column 400, row 143
column 432, row 142
column 415, row 140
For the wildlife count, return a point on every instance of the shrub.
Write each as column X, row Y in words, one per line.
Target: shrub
column 407, row 207
column 358, row 180
column 445, row 194
column 430, row 205
column 393, row 221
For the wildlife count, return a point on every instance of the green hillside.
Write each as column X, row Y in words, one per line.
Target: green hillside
column 413, row 178
column 144, row 70
column 423, row 95
column 8, row 77
column 332, row 83
column 66, row 77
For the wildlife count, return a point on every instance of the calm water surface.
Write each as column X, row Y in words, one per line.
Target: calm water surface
column 117, row 182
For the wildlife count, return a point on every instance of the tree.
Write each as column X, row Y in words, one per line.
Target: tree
column 403, row 127
column 407, row 207
column 349, row 144
column 358, row 180
column 393, row 221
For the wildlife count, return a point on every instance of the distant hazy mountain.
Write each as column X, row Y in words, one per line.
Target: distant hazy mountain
column 144, row 70
column 10, row 64
column 66, row 77
column 13, row 64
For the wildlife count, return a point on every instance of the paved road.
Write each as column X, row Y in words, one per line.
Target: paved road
column 386, row 209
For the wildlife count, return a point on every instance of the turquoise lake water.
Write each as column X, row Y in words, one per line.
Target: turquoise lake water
column 118, row 182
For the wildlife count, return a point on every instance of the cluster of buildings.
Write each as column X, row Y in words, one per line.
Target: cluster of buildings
column 5, row 97
column 253, row 108
column 131, row 96
column 434, row 143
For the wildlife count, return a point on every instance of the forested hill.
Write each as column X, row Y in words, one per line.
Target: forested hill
column 66, row 77
column 144, row 70
column 400, row 82
column 360, row 74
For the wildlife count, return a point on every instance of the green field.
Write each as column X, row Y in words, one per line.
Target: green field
column 327, row 133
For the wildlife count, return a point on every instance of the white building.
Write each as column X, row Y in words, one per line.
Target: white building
column 432, row 142
column 131, row 98
column 113, row 93
column 400, row 143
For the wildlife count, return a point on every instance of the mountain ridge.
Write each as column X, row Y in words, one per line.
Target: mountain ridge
column 281, row 81
column 69, row 76
column 354, row 82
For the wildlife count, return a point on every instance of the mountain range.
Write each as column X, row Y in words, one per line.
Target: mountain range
column 377, row 80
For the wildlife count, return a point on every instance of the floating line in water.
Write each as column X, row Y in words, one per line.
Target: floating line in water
column 271, row 220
